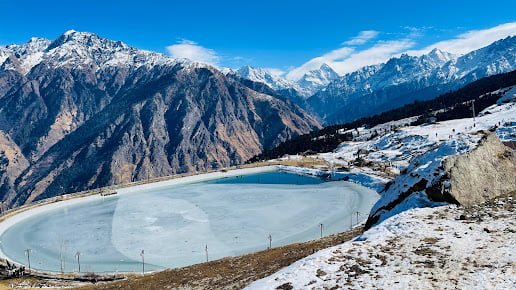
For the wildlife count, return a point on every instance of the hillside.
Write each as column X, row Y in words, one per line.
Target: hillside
column 432, row 248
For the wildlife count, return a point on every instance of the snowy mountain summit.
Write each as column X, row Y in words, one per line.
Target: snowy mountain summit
column 306, row 86
column 77, row 49
column 317, row 79
column 261, row 75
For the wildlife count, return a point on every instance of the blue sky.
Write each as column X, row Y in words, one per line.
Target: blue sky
column 285, row 35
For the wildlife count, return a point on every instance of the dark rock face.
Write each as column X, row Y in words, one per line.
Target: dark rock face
column 93, row 112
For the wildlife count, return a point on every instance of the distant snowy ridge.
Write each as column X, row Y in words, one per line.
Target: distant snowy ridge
column 306, row 86
column 380, row 87
column 261, row 75
column 401, row 80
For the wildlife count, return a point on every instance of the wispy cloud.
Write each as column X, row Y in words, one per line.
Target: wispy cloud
column 329, row 58
column 378, row 53
column 347, row 58
column 362, row 38
column 274, row 71
column 471, row 40
column 193, row 51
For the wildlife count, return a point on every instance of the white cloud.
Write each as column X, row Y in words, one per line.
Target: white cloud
column 315, row 63
column 471, row 40
column 345, row 59
column 193, row 51
column 274, row 71
column 378, row 53
column 362, row 38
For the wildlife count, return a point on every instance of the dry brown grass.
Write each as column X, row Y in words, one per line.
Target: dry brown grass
column 304, row 161
column 228, row 273
column 30, row 283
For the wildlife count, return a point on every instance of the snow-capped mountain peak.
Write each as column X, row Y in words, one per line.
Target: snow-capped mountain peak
column 77, row 49
column 305, row 87
column 443, row 56
column 315, row 80
column 263, row 76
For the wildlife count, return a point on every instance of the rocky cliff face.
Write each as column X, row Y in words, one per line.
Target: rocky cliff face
column 82, row 112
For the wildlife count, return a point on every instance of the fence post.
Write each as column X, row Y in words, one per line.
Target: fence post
column 142, row 254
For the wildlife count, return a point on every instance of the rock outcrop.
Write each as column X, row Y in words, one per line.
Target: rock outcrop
column 456, row 172
column 482, row 174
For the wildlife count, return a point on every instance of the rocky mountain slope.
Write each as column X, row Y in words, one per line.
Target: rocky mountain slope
column 83, row 111
column 403, row 79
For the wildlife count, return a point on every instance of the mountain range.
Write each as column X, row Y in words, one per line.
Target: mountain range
column 377, row 88
column 82, row 112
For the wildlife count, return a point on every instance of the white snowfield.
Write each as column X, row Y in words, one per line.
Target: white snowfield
column 418, row 244
column 428, row 248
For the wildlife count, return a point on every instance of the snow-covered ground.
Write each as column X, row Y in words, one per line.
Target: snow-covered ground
column 396, row 148
column 428, row 248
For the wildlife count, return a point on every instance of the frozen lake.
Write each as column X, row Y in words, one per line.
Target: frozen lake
column 173, row 224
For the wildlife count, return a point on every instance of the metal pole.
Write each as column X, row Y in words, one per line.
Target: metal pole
column 473, row 108
column 270, row 241
column 143, row 261
column 27, row 251
column 321, row 229
column 206, row 249
column 61, row 257
column 78, row 254
column 357, row 217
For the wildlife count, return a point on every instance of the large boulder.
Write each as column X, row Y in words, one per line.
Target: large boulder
column 456, row 172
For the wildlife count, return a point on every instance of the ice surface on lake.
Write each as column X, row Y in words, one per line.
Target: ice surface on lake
column 174, row 224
